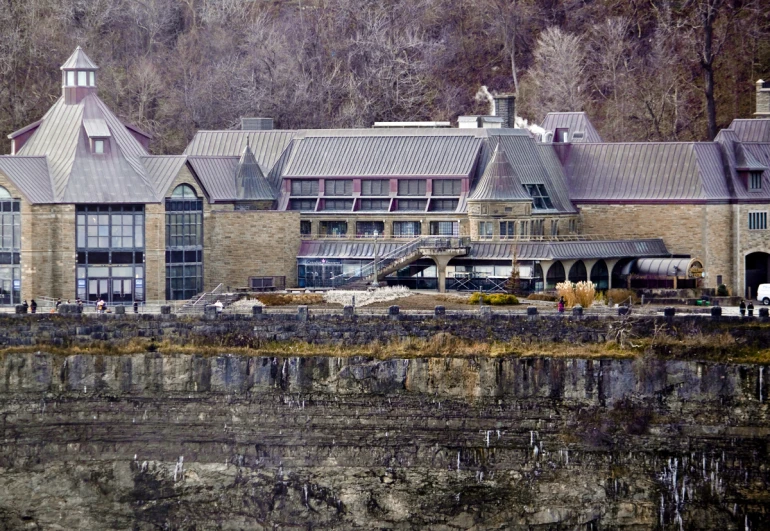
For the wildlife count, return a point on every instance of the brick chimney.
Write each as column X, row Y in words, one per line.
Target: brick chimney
column 763, row 99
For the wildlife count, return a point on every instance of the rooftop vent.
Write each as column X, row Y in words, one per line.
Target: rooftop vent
column 484, row 122
column 256, row 124
column 428, row 125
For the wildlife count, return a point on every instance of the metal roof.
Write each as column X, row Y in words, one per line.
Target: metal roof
column 752, row 130
column 745, row 160
column 217, row 174
column 250, row 182
column 652, row 171
column 385, row 155
column 79, row 60
column 96, row 127
column 268, row 146
column 568, row 250
column 575, row 122
column 162, row 170
column 660, row 267
column 30, row 175
column 530, row 250
column 727, row 139
column 499, row 182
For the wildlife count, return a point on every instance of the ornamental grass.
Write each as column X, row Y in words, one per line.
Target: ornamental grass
column 582, row 293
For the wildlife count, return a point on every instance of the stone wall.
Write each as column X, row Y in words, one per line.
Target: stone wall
column 246, row 243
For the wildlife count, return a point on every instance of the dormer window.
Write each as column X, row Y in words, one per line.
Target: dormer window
column 755, row 180
column 98, row 134
column 99, row 146
column 539, row 195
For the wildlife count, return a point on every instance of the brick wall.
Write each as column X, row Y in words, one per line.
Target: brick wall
column 246, row 243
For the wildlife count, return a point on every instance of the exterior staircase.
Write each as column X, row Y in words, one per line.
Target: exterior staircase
column 399, row 258
column 199, row 302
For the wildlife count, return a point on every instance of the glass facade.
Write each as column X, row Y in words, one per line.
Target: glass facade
column 10, row 248
column 184, row 244
column 110, row 253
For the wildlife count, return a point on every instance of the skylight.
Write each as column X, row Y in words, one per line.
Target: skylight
column 540, row 198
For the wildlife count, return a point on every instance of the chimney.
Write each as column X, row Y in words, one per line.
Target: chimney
column 763, row 99
column 256, row 124
column 505, row 108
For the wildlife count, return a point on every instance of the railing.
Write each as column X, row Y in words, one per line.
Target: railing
column 197, row 304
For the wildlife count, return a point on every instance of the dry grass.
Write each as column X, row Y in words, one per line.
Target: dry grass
column 582, row 293
column 618, row 296
column 288, row 299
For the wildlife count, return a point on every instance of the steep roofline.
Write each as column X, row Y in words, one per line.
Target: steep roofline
column 25, row 129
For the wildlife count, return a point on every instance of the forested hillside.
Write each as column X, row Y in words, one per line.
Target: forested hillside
column 643, row 69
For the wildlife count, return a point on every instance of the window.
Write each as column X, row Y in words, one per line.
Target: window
column 411, row 187
column 99, row 147
column 70, row 78
column 302, row 204
column 406, row 229
column 755, row 180
column 573, row 225
column 305, row 227
column 338, row 187
column 757, row 220
column 524, row 228
column 443, row 205
column 91, row 79
column 10, row 250
column 375, row 187
column 507, row 229
column 554, row 227
column 538, row 226
column 107, row 227
column 485, row 230
column 333, row 228
column 367, row 229
column 304, row 187
column 447, row 186
column 411, row 204
column 338, row 204
column 540, row 199
column 444, row 228
column 375, row 204
column 184, row 244
column 82, row 78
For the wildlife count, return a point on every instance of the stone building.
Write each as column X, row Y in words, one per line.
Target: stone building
column 89, row 213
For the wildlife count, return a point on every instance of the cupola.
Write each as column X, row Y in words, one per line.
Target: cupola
column 78, row 77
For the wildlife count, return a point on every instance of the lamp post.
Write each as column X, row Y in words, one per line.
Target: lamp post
column 375, row 282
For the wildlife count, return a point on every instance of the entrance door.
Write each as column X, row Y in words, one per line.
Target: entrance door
column 122, row 290
column 98, row 289
column 756, row 272
column 111, row 290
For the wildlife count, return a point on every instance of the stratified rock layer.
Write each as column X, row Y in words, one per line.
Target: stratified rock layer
column 190, row 442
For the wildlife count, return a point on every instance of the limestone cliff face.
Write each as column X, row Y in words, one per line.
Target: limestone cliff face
column 190, row 442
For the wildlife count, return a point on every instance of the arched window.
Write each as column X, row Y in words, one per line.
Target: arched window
column 184, row 191
column 4, row 194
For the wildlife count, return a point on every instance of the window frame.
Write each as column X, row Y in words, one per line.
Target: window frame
column 757, row 220
column 412, row 187
column 368, row 186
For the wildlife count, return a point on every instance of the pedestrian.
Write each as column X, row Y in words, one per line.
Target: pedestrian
column 58, row 303
column 218, row 305
column 561, row 305
column 750, row 308
column 33, row 306
column 24, row 306
column 100, row 306
column 742, row 308
column 136, row 307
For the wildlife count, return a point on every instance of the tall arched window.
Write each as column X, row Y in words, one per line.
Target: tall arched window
column 184, row 243
column 10, row 248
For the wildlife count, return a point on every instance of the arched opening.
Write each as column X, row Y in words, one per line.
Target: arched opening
column 757, row 266
column 578, row 273
column 184, row 191
column 555, row 275
column 537, row 278
column 4, row 194
column 618, row 278
column 600, row 275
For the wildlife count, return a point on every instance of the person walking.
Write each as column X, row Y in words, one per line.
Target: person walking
column 218, row 305
column 560, row 306
column 742, row 308
column 33, row 306
column 24, row 306
column 750, row 308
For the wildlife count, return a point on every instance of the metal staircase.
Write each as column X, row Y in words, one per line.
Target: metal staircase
column 399, row 258
column 198, row 303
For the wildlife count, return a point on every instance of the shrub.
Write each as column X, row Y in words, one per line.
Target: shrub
column 496, row 299
column 619, row 296
column 284, row 299
column 541, row 297
column 582, row 293
column 722, row 291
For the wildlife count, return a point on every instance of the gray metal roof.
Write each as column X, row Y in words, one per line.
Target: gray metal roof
column 96, row 127
column 652, row 171
column 79, row 60
column 250, row 182
column 30, row 175
column 568, row 250
column 385, row 155
column 752, row 130
column 745, row 160
column 727, row 139
column 162, row 170
column 499, row 182
column 217, row 176
column 661, row 267
column 531, row 250
column 575, row 122
column 268, row 146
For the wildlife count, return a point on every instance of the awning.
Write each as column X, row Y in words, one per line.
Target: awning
column 660, row 267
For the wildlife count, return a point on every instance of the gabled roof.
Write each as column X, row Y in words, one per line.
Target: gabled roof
column 646, row 172
column 217, row 176
column 30, row 175
column 751, row 130
column 267, row 146
column 575, row 122
column 384, row 155
column 745, row 161
column 79, row 60
column 162, row 170
column 250, row 182
column 499, row 182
